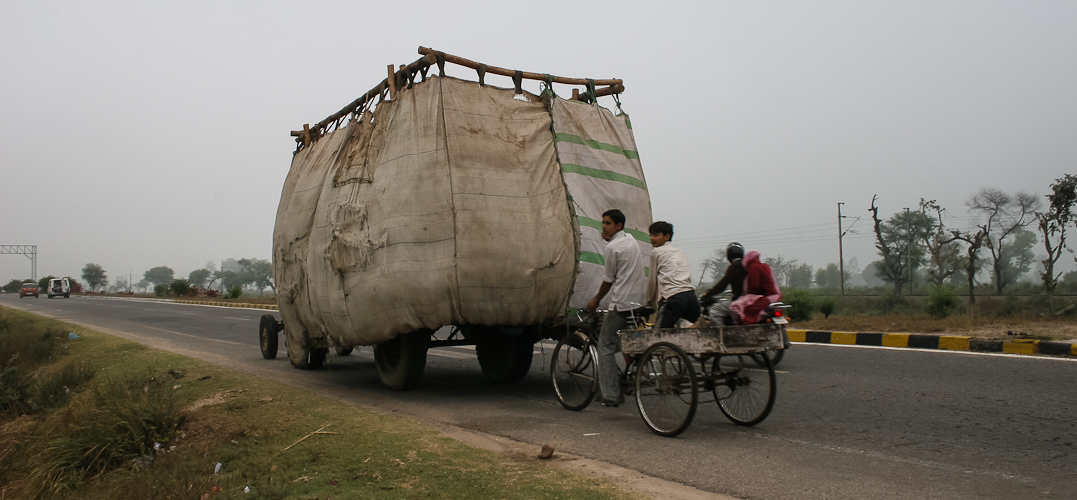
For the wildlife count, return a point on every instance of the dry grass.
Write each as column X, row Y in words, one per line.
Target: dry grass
column 255, row 428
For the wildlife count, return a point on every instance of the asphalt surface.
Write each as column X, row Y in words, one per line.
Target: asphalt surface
column 850, row 422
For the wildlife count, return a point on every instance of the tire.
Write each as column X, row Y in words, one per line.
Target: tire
column 505, row 359
column 317, row 357
column 67, row 295
column 303, row 357
column 666, row 390
column 744, row 395
column 776, row 357
column 401, row 361
column 342, row 351
column 267, row 336
column 574, row 371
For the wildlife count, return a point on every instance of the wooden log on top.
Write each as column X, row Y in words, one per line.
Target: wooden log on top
column 372, row 93
column 392, row 82
column 612, row 89
column 508, row 72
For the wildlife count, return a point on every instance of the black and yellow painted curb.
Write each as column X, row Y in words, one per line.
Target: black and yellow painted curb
column 943, row 342
column 227, row 304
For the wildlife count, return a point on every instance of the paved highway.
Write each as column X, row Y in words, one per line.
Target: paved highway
column 849, row 423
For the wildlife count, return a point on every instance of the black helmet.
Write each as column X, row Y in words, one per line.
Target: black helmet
column 734, row 251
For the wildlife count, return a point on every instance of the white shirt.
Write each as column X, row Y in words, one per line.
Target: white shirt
column 669, row 266
column 624, row 270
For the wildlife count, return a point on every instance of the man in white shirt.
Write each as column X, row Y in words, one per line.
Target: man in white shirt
column 625, row 282
column 671, row 279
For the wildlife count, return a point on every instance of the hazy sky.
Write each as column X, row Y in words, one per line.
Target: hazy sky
column 139, row 134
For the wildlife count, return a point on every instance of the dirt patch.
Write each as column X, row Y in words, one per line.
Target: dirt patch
column 634, row 480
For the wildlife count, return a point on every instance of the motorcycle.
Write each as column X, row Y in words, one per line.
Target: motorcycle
column 774, row 313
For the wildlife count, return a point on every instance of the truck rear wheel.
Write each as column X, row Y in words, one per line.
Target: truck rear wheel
column 505, row 358
column 401, row 361
column 303, row 357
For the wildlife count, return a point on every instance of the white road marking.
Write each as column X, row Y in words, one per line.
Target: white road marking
column 946, row 351
column 197, row 337
column 447, row 354
column 237, row 319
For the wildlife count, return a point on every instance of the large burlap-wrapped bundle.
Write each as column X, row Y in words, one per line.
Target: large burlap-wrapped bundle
column 449, row 205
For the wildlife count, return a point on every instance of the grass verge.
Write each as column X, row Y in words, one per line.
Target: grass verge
column 141, row 423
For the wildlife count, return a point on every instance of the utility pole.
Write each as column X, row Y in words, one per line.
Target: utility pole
column 841, row 256
column 908, row 246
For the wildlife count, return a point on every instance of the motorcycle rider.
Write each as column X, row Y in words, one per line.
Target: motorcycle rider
column 753, row 285
column 733, row 279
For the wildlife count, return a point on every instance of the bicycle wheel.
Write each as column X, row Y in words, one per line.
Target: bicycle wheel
column 745, row 395
column 666, row 389
column 574, row 371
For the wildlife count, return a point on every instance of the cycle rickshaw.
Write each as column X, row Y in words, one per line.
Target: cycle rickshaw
column 669, row 368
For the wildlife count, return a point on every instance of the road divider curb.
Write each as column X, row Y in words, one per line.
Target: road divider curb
column 227, row 304
column 943, row 342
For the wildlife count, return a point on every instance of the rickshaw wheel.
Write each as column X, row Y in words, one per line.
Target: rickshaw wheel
column 666, row 389
column 744, row 395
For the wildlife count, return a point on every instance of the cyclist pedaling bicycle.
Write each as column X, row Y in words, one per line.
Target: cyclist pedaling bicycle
column 626, row 284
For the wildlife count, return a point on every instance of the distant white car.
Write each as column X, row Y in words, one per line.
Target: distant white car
column 59, row 287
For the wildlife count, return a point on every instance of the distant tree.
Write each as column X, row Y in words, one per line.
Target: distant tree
column 942, row 249
column 869, row 276
column 1016, row 258
column 971, row 263
column 828, row 277
column 1052, row 224
column 13, row 286
column 95, row 276
column 899, row 242
column 143, row 285
column 780, row 268
column 716, row 264
column 120, row 285
column 800, row 276
column 179, row 287
column 1003, row 215
column 231, row 279
column 199, row 277
column 161, row 275
column 1070, row 277
column 261, row 272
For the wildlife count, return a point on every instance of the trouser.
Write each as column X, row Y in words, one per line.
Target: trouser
column 720, row 313
column 679, row 305
column 609, row 344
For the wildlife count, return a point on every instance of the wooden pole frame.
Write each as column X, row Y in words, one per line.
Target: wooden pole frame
column 405, row 76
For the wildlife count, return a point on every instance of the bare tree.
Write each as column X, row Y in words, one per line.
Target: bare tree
column 781, row 268
column 1053, row 224
column 1004, row 215
column 899, row 241
column 892, row 267
column 940, row 246
column 971, row 263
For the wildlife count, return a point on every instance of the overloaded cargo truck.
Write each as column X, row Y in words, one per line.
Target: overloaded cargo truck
column 438, row 211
